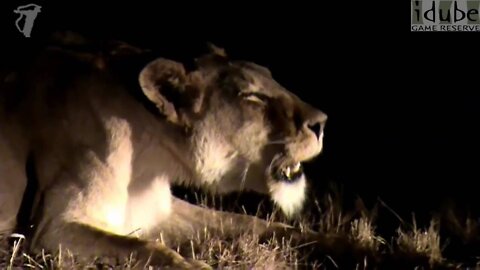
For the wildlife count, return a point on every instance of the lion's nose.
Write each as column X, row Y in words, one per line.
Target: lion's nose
column 316, row 122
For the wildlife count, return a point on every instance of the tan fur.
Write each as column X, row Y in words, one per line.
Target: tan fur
column 104, row 163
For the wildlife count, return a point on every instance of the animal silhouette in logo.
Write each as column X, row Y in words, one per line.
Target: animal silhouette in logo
column 29, row 12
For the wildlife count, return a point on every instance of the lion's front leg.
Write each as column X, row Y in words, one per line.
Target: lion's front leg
column 88, row 241
column 191, row 227
column 191, row 222
column 88, row 220
column 91, row 243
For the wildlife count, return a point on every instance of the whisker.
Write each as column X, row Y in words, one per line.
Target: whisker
column 277, row 156
column 244, row 176
column 279, row 142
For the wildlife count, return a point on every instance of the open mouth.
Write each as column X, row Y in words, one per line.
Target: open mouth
column 284, row 169
column 287, row 183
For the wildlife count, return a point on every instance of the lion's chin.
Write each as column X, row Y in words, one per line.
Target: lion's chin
column 286, row 184
column 289, row 195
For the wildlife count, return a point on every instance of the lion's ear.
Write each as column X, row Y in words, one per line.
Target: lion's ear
column 216, row 57
column 164, row 82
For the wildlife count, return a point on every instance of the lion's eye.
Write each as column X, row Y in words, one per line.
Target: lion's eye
column 255, row 98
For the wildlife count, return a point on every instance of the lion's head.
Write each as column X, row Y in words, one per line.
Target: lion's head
column 245, row 131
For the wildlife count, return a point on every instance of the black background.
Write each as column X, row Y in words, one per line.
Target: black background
column 403, row 107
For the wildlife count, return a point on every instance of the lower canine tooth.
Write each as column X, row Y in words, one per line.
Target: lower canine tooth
column 287, row 172
column 296, row 167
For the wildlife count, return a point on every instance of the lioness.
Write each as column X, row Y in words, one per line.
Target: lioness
column 104, row 153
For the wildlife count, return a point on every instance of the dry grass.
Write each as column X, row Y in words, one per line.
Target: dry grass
column 350, row 242
column 421, row 242
column 245, row 252
column 363, row 232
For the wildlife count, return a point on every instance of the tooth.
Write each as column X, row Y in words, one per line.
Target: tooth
column 287, row 172
column 296, row 167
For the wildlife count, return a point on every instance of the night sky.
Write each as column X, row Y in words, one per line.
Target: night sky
column 403, row 108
